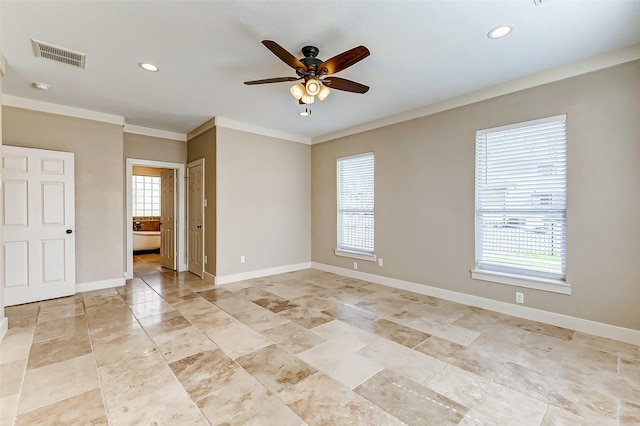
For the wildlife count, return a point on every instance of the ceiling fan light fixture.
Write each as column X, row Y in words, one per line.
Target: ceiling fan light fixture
column 305, row 113
column 147, row 66
column 297, row 90
column 313, row 87
column 307, row 99
column 323, row 93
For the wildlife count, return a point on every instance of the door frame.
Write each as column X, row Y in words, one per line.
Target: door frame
column 180, row 234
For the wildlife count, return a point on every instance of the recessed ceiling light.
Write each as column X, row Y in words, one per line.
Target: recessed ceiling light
column 499, row 31
column 148, row 67
column 41, row 86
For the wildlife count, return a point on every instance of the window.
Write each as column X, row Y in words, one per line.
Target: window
column 521, row 185
column 355, row 205
column 146, row 195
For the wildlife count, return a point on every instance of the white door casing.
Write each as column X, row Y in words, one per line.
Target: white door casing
column 167, row 219
column 195, row 217
column 38, row 231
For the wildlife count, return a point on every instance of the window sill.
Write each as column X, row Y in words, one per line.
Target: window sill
column 554, row 286
column 355, row 255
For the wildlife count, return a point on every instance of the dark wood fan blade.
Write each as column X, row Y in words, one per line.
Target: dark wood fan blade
column 285, row 56
column 272, row 80
column 343, row 60
column 344, row 84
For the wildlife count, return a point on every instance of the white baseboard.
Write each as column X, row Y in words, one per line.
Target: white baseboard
column 226, row 279
column 4, row 327
column 585, row 326
column 99, row 285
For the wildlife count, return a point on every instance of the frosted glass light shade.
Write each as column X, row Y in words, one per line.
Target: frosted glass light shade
column 297, row 90
column 313, row 87
column 323, row 93
column 307, row 99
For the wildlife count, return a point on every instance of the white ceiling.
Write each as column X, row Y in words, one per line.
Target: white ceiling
column 422, row 52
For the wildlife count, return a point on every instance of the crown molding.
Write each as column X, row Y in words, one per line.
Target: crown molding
column 237, row 125
column 207, row 125
column 148, row 131
column 595, row 63
column 31, row 104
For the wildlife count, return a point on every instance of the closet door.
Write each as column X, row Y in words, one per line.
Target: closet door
column 38, row 232
column 168, row 220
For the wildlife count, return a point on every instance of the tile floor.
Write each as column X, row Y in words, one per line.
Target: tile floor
column 306, row 347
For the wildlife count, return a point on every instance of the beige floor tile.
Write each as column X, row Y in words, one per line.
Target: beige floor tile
column 61, row 327
column 56, row 382
column 143, row 390
column 8, row 409
column 15, row 346
column 148, row 309
column 238, row 340
column 274, row 303
column 293, row 337
column 182, row 343
column 348, row 336
column 260, row 319
column 59, row 349
column 117, row 346
column 629, row 413
column 558, row 417
column 60, row 311
column 621, row 348
column 410, row 402
column 320, row 400
column 630, row 368
column 342, row 365
column 204, row 372
column 308, row 318
column 464, row 357
column 453, row 333
column 166, row 322
column 85, row 409
column 489, row 403
column 244, row 401
column 275, row 368
column 11, row 375
column 235, row 304
column 581, row 401
column 411, row 364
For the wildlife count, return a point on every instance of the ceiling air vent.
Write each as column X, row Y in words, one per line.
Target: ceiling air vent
column 58, row 54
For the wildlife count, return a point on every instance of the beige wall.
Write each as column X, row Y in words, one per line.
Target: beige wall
column 425, row 195
column 204, row 146
column 263, row 202
column 143, row 147
column 99, row 178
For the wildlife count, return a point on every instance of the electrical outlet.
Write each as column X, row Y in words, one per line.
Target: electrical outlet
column 519, row 297
column 355, row 265
column 380, row 262
column 242, row 259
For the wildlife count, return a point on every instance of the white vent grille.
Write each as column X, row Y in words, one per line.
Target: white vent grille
column 58, row 54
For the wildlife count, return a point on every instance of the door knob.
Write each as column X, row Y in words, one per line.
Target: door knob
column 68, row 231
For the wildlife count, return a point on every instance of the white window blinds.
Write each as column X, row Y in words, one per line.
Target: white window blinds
column 356, row 203
column 521, row 185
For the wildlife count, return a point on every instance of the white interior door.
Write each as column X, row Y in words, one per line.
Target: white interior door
column 39, row 220
column 168, row 220
column 195, row 218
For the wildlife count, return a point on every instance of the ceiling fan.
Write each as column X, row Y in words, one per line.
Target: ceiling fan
column 317, row 74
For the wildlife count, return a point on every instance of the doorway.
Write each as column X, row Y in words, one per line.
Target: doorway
column 177, row 235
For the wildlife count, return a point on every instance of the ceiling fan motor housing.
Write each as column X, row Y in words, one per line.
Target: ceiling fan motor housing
column 310, row 61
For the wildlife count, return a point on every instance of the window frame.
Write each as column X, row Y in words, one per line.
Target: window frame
column 521, row 275
column 148, row 212
column 344, row 250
